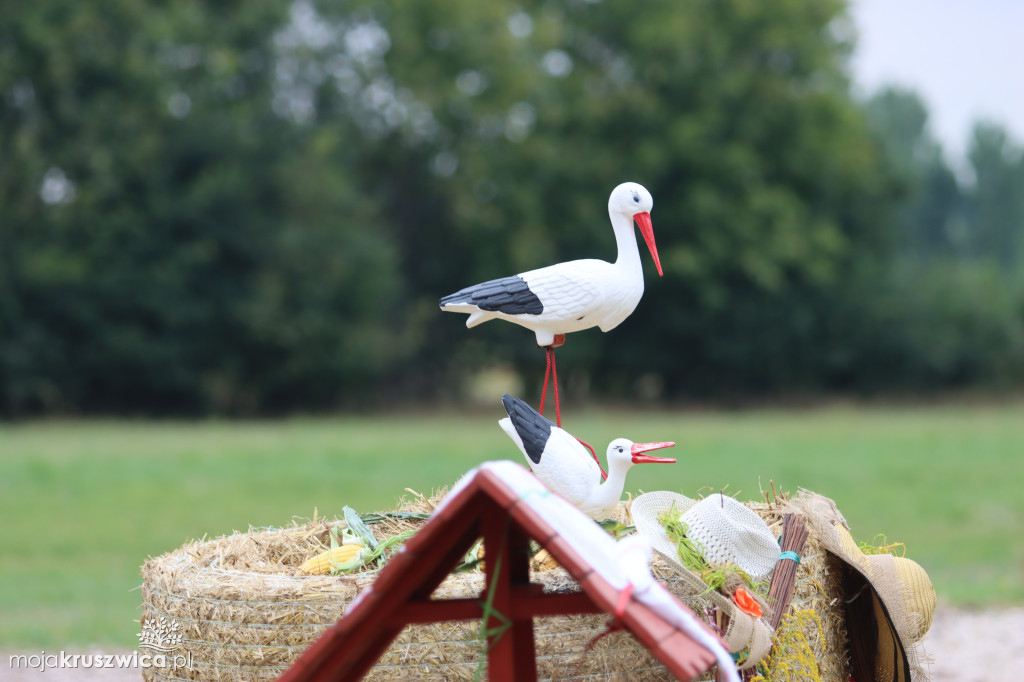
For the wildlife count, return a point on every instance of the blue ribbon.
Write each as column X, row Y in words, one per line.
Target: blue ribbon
column 790, row 555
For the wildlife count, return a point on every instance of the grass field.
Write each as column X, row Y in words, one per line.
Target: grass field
column 82, row 504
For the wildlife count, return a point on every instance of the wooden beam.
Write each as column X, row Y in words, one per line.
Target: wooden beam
column 524, row 647
column 526, row 603
column 511, row 655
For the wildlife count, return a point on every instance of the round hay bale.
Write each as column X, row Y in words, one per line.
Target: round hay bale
column 245, row 613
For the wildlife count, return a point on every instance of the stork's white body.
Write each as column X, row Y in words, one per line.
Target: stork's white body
column 565, row 466
column 568, row 469
column 578, row 294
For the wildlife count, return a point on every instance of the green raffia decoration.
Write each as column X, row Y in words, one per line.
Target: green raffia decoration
column 883, row 547
column 691, row 554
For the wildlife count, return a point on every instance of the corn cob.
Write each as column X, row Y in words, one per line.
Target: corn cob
column 543, row 561
column 322, row 563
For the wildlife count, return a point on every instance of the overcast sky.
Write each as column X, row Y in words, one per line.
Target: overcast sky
column 964, row 57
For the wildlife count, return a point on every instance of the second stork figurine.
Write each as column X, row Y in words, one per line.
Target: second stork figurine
column 562, row 464
column 575, row 295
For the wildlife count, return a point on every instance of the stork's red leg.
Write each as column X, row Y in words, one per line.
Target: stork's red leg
column 548, row 353
column 551, row 370
column 554, row 383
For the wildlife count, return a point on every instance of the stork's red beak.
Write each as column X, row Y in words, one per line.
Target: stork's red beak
column 644, row 221
column 639, row 449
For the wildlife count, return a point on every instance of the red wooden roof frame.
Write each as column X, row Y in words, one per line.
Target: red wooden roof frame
column 400, row 596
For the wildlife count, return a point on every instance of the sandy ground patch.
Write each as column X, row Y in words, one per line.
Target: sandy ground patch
column 965, row 645
column 975, row 645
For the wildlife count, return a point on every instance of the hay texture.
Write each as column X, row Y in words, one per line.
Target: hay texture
column 246, row 613
column 811, row 642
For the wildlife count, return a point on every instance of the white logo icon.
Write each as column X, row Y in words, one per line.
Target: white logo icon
column 162, row 635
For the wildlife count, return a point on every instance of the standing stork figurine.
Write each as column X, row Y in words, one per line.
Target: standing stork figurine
column 570, row 296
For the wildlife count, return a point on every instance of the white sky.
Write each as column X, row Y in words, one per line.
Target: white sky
column 964, row 57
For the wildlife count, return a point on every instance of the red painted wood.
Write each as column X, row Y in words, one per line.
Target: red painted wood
column 436, row 610
column 401, row 594
column 528, row 601
column 496, row 489
column 567, row 557
column 683, row 657
column 510, row 654
column 446, row 554
column 603, row 594
column 555, row 604
column 363, row 657
column 456, row 505
column 500, row 659
column 455, row 519
column 532, row 522
column 523, row 643
column 647, row 626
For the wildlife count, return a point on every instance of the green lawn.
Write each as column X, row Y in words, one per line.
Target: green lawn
column 82, row 504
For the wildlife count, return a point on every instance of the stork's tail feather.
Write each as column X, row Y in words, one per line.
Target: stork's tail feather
column 509, row 295
column 533, row 429
column 457, row 302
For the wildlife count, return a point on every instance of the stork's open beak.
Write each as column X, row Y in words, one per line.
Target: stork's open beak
column 644, row 221
column 639, row 457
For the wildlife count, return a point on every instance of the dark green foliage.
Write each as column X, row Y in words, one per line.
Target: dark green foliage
column 931, row 215
column 213, row 256
column 941, row 216
column 948, row 308
column 254, row 207
column 996, row 208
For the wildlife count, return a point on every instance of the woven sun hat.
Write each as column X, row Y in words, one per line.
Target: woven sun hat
column 726, row 531
column 743, row 632
column 890, row 606
column 889, row 600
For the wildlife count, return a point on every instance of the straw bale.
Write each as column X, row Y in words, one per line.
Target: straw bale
column 247, row 614
column 818, row 587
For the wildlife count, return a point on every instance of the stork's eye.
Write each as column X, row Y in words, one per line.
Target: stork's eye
column 636, row 198
column 620, row 448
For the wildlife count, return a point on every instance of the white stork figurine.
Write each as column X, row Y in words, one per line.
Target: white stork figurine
column 559, row 460
column 571, row 296
column 575, row 295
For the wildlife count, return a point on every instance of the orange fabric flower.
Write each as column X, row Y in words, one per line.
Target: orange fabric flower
column 747, row 603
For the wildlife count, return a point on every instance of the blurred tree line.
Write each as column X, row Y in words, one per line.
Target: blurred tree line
column 241, row 208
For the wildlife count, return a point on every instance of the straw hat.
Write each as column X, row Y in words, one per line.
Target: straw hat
column 890, row 607
column 890, row 601
column 726, row 530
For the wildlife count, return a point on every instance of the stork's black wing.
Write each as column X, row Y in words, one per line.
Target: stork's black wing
column 533, row 429
column 509, row 295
